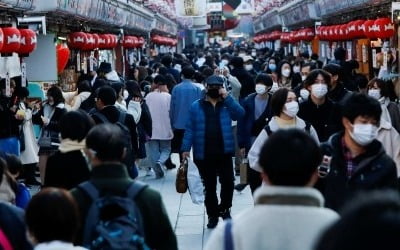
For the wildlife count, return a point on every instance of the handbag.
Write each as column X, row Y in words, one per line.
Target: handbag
column 181, row 178
column 45, row 139
column 243, row 171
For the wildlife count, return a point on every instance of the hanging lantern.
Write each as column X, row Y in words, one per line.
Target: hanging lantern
column 90, row 42
column 114, row 41
column 371, row 29
column 135, row 42
column 309, row 34
column 343, row 32
column 385, row 28
column 331, row 33
column 1, row 39
column 325, row 33
column 96, row 38
column 102, row 41
column 62, row 57
column 12, row 39
column 128, row 42
column 76, row 40
column 351, row 30
column 360, row 28
column 28, row 41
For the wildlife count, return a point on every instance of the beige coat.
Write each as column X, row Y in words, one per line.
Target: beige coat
column 390, row 140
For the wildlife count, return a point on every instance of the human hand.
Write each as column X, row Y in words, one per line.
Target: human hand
column 242, row 152
column 185, row 155
column 223, row 93
column 45, row 120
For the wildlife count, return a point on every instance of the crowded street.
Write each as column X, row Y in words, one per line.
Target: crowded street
column 199, row 124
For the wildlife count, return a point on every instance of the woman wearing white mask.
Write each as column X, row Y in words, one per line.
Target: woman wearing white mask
column 284, row 108
column 381, row 91
column 284, row 74
column 322, row 113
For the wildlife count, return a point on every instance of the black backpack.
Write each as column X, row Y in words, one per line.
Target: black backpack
column 113, row 222
column 129, row 159
column 269, row 131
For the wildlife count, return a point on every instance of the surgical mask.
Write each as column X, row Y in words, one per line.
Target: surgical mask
column 253, row 54
column 51, row 103
column 242, row 54
column 213, row 93
column 125, row 94
column 248, row 67
column 319, row 90
column 178, row 67
column 375, row 93
column 303, row 78
column 261, row 89
column 304, row 94
column 274, row 87
column 291, row 108
column 296, row 69
column 364, row 134
column 272, row 66
column 285, row 72
column 154, row 75
column 224, row 62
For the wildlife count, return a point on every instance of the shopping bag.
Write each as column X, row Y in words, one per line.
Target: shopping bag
column 243, row 171
column 181, row 178
column 195, row 185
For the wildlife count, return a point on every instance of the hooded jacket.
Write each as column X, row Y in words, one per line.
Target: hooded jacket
column 375, row 170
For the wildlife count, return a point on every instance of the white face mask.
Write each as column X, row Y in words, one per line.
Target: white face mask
column 291, row 108
column 253, row 54
column 125, row 94
column 364, row 134
column 375, row 93
column 224, row 62
column 242, row 54
column 248, row 67
column 303, row 78
column 296, row 69
column 178, row 67
column 261, row 89
column 319, row 90
column 154, row 75
column 286, row 72
column 304, row 94
column 272, row 66
column 274, row 87
column 51, row 103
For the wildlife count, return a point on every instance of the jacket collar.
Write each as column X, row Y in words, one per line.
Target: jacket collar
column 109, row 171
column 68, row 145
column 285, row 195
column 273, row 124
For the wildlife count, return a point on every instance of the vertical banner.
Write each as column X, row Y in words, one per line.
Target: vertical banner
column 385, row 59
column 323, row 50
column 23, row 73
column 91, row 61
column 84, row 65
column 364, row 54
column 374, row 58
column 78, row 61
column 8, row 84
column 190, row 8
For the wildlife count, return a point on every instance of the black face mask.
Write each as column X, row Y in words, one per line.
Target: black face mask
column 213, row 93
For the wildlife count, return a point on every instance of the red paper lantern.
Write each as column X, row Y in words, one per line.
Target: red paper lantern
column 360, row 28
column 102, row 41
column 128, row 42
column 90, row 42
column 351, row 29
column 331, row 33
column 343, row 32
column 28, row 41
column 12, row 40
column 114, row 41
column 385, row 26
column 371, row 29
column 1, row 39
column 292, row 38
column 62, row 57
column 231, row 23
column 135, row 42
column 76, row 40
column 325, row 32
column 96, row 40
column 309, row 34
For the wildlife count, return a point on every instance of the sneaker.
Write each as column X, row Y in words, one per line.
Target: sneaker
column 240, row 187
column 158, row 171
column 148, row 172
column 169, row 164
column 212, row 222
column 225, row 214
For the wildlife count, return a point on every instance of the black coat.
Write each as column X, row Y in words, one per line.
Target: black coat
column 8, row 123
column 339, row 94
column 375, row 170
column 245, row 80
column 325, row 118
column 66, row 170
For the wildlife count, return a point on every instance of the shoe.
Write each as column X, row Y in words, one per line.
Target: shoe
column 32, row 182
column 225, row 214
column 237, row 172
column 212, row 222
column 240, row 187
column 169, row 164
column 158, row 171
column 148, row 172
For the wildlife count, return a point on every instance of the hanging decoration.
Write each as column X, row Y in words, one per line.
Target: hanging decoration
column 12, row 41
column 28, row 42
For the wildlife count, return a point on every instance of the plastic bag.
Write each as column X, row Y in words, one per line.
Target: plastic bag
column 195, row 185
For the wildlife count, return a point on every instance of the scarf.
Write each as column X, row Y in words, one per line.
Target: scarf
column 68, row 145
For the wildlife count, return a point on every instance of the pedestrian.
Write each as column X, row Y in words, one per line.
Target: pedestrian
column 209, row 131
column 337, row 92
column 159, row 145
column 284, row 108
column 48, row 117
column 52, row 218
column 182, row 96
column 74, row 100
column 105, row 149
column 244, row 77
column 355, row 160
column 284, row 73
column 322, row 113
column 288, row 212
column 68, row 167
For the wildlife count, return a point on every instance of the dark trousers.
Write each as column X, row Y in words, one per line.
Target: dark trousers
column 253, row 178
column 209, row 169
column 176, row 144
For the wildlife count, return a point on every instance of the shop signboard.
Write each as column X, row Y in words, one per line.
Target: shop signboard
column 301, row 13
column 24, row 4
column 84, row 7
column 190, row 8
column 329, row 7
column 70, row 6
column 93, row 9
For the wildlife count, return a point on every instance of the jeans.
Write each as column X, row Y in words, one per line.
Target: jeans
column 159, row 151
column 209, row 169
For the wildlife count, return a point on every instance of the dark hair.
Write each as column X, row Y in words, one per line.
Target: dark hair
column 340, row 54
column 84, row 86
column 143, row 62
column 305, row 55
column 52, row 214
column 369, row 220
column 314, row 56
column 75, row 125
column 313, row 76
column 361, row 105
column 264, row 79
column 333, row 68
column 160, row 80
column 188, row 72
column 278, row 100
column 149, row 79
column 22, row 92
column 117, row 86
column 198, row 77
column 361, row 81
column 386, row 87
column 142, row 73
column 133, row 89
column 14, row 164
column 107, row 95
column 237, row 62
column 107, row 141
column 289, row 157
column 166, row 60
column 56, row 93
column 162, row 71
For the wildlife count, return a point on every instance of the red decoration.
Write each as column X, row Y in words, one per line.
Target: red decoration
column 351, row 30
column 1, row 39
column 231, row 23
column 385, row 28
column 12, row 39
column 371, row 29
column 309, row 34
column 90, row 42
column 343, row 32
column 28, row 41
column 96, row 40
column 360, row 28
column 62, row 57
column 102, row 41
column 128, row 42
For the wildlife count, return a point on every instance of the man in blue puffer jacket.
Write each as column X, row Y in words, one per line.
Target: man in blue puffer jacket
column 209, row 131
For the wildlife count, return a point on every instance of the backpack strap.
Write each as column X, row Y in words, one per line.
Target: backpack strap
column 89, row 189
column 268, row 130
column 121, row 117
column 135, row 188
column 228, row 239
column 102, row 117
column 308, row 127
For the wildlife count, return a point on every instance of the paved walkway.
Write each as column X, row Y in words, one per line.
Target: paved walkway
column 189, row 220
